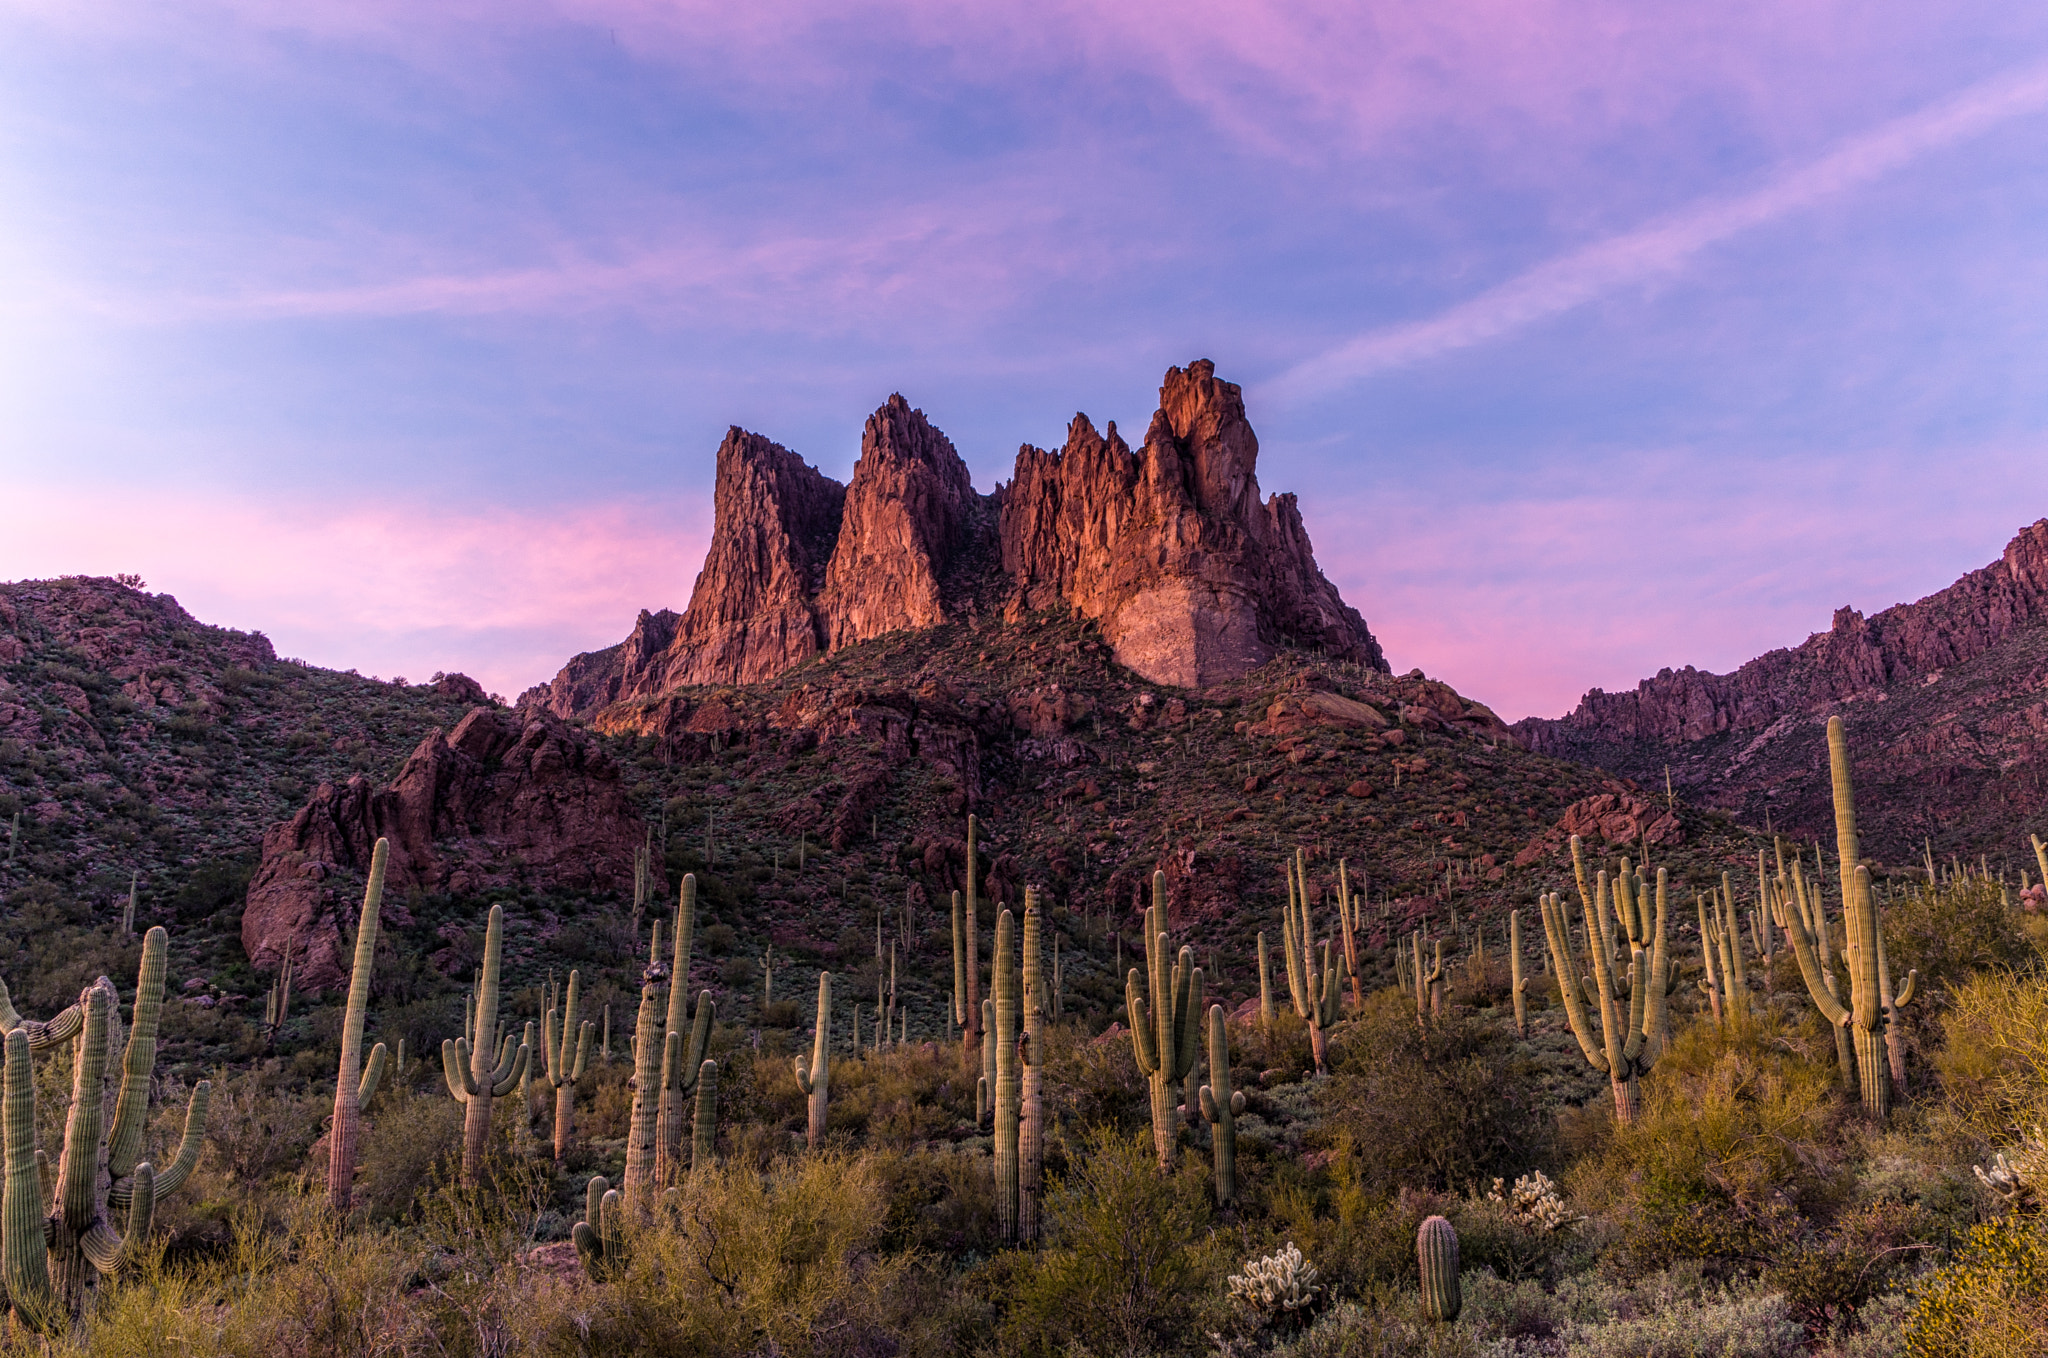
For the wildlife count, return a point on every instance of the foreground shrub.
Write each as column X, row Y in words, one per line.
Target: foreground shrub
column 1994, row 1060
column 1992, row 1299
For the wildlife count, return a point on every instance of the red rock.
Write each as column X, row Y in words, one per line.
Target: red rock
column 1618, row 818
column 497, row 800
column 1361, row 789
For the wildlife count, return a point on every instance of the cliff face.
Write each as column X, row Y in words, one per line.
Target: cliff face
column 497, row 800
column 1193, row 578
column 1943, row 699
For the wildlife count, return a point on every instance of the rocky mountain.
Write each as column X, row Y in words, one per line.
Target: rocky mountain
column 1946, row 701
column 1191, row 575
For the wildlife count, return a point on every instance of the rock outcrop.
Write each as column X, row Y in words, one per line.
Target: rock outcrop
column 1939, row 694
column 1192, row 576
column 499, row 799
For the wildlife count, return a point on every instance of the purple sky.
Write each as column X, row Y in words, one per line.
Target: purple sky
column 1595, row 337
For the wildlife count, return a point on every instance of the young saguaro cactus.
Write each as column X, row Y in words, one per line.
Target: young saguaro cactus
column 565, row 1044
column 50, row 1259
column 1865, row 1016
column 1265, row 989
column 1312, row 981
column 1004, row 981
column 601, row 1236
column 817, row 1080
column 1628, row 1039
column 1220, row 1106
column 968, row 1008
column 1165, row 1012
column 682, row 1056
column 1517, row 986
column 1436, row 1252
column 704, row 1120
column 476, row 1075
column 354, row 1085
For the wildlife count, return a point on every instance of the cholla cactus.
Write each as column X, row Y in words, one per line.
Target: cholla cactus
column 1281, row 1284
column 1533, row 1201
column 2016, row 1179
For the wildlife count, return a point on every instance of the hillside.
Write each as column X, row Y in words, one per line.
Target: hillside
column 1946, row 699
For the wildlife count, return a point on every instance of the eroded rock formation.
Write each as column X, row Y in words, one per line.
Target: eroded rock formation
column 501, row 798
column 1192, row 576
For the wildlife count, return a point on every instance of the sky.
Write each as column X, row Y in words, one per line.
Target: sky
column 1595, row 337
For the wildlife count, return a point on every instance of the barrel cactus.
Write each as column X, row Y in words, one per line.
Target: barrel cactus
column 1436, row 1251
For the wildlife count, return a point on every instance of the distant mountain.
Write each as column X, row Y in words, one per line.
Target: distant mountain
column 1946, row 701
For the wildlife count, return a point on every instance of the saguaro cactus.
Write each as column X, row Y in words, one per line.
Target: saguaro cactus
column 1265, row 989
column 1436, row 1251
column 1629, row 1038
column 476, row 1075
column 1004, row 981
column 649, row 1050
column 1165, row 1019
column 970, row 1015
column 704, row 1122
column 354, row 1085
column 1517, row 986
column 1031, row 1055
column 565, row 1041
column 1312, row 981
column 817, row 1081
column 601, row 1236
column 1347, row 916
column 50, row 1259
column 1866, row 1015
column 681, row 1057
column 1220, row 1106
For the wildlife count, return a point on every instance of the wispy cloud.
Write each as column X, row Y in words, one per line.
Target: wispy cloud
column 1666, row 245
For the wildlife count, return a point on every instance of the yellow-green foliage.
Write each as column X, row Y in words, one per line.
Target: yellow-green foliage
column 782, row 1262
column 1129, row 1266
column 1949, row 934
column 1994, row 1061
column 1731, row 1146
column 1991, row 1301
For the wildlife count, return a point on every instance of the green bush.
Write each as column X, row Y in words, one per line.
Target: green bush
column 1992, row 1299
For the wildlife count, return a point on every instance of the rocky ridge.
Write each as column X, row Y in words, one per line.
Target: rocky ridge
column 1946, row 700
column 1193, row 577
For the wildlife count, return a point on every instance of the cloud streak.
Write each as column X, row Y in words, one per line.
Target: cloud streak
column 1664, row 246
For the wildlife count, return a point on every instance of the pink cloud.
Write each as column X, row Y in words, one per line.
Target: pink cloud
column 503, row 595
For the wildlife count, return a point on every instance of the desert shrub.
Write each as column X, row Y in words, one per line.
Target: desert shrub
column 1124, row 1269
column 749, row 1263
column 1442, row 1106
column 1993, row 1059
column 407, row 1137
column 941, row 1201
column 1731, row 1147
column 256, row 1132
column 1739, row 1323
column 1949, row 935
column 1991, row 1299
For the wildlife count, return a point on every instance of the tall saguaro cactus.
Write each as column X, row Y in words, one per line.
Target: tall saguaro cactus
column 1629, row 1037
column 1347, row 916
column 1265, row 989
column 970, row 1004
column 565, row 1042
column 681, row 1056
column 1517, row 986
column 354, row 1085
column 1312, row 980
column 1220, row 1106
column 649, row 1050
column 1866, row 1014
column 816, row 1082
column 1031, row 1055
column 476, row 1074
column 704, row 1121
column 50, row 1258
column 1165, row 1012
column 1004, row 981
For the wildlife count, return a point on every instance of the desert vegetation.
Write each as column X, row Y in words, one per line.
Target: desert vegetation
column 1802, row 1116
